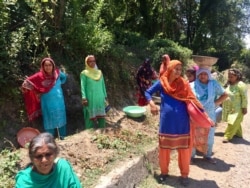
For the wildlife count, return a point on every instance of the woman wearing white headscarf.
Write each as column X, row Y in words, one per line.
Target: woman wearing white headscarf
column 211, row 94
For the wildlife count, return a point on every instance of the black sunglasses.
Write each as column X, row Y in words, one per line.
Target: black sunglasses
column 46, row 155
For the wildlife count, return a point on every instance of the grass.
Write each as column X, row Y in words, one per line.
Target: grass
column 8, row 168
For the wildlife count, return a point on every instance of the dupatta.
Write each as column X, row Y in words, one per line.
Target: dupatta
column 36, row 85
column 181, row 90
column 93, row 73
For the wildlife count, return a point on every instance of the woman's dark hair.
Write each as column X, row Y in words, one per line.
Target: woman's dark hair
column 41, row 140
column 236, row 72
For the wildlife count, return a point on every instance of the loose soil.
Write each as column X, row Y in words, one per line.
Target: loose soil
column 95, row 152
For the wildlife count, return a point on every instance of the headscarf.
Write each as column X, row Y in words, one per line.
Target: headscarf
column 198, row 86
column 37, row 84
column 41, row 81
column 179, row 88
column 145, row 70
column 144, row 75
column 192, row 70
column 93, row 73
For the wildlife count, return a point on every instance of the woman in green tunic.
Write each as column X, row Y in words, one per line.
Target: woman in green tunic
column 45, row 169
column 93, row 94
column 235, row 107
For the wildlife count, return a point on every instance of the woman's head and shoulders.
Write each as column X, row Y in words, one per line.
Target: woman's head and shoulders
column 91, row 70
column 172, row 80
column 235, row 78
column 146, row 69
column 45, row 166
column 43, row 80
column 204, row 78
column 191, row 73
column 48, row 68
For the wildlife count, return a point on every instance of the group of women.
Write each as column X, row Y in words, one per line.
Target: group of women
column 176, row 131
column 43, row 95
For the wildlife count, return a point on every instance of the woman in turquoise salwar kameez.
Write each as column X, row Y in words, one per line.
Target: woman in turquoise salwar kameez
column 235, row 107
column 46, row 170
column 93, row 94
column 43, row 95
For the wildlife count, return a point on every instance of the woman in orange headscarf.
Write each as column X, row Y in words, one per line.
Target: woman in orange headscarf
column 174, row 131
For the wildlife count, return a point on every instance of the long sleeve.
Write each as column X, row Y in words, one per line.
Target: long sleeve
column 63, row 77
column 153, row 89
column 243, row 94
column 83, row 85
column 104, row 87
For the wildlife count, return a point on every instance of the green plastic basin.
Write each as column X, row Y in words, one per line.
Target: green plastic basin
column 134, row 111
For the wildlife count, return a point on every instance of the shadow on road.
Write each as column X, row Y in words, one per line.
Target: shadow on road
column 220, row 134
column 235, row 140
column 174, row 181
column 220, row 166
column 239, row 141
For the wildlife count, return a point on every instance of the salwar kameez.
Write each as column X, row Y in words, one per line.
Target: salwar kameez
column 53, row 108
column 43, row 95
column 207, row 94
column 95, row 92
column 174, row 131
column 232, row 109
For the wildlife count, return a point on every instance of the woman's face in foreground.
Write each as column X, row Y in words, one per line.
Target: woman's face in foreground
column 43, row 160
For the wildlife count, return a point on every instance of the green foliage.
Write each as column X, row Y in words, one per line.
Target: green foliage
column 8, row 168
column 159, row 46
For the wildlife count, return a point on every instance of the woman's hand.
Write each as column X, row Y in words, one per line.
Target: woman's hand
column 153, row 108
column 23, row 90
column 84, row 102
column 244, row 111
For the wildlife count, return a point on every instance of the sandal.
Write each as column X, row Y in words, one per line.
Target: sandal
column 184, row 181
column 162, row 178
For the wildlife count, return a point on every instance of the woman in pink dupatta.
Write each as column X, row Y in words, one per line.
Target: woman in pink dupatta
column 43, row 95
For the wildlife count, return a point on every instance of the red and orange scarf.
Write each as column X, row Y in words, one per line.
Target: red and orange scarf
column 179, row 88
